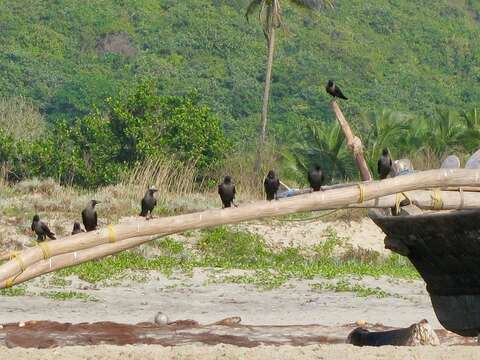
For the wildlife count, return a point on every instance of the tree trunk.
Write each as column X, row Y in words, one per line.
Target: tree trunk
column 266, row 92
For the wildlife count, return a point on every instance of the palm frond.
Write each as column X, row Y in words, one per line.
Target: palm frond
column 254, row 4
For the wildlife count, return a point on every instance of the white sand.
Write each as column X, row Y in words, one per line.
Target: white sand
column 226, row 352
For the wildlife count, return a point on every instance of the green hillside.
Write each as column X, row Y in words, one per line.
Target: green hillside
column 404, row 55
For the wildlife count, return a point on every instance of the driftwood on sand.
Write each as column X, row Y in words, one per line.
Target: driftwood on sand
column 47, row 334
column 414, row 335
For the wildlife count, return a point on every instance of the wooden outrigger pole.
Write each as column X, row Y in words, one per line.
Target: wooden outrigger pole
column 49, row 256
column 353, row 142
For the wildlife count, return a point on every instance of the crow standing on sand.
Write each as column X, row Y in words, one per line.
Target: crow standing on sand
column 226, row 190
column 149, row 202
column 316, row 178
column 77, row 229
column 89, row 216
column 271, row 185
column 384, row 164
column 334, row 90
column 41, row 229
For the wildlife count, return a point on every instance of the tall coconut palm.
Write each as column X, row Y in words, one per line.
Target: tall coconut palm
column 270, row 17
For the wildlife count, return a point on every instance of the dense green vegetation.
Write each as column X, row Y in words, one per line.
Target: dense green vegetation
column 98, row 148
column 403, row 55
column 81, row 64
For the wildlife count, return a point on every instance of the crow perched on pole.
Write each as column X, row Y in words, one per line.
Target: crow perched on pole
column 77, row 229
column 89, row 216
column 41, row 229
column 334, row 90
column 316, row 178
column 226, row 190
column 271, row 185
column 384, row 164
column 149, row 202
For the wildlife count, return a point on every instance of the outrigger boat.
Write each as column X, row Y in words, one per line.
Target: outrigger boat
column 444, row 247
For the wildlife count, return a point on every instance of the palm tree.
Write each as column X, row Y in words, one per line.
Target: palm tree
column 387, row 130
column 270, row 19
column 324, row 144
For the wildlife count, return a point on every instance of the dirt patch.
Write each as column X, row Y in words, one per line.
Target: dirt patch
column 117, row 43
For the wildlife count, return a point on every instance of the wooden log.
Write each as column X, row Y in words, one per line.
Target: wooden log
column 49, row 334
column 417, row 334
column 353, row 142
column 263, row 209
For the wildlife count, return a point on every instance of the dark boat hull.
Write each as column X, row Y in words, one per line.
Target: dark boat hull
column 445, row 249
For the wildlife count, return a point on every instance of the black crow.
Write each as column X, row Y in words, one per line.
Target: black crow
column 149, row 202
column 77, row 229
column 226, row 190
column 334, row 90
column 271, row 185
column 41, row 229
column 316, row 178
column 384, row 164
column 89, row 216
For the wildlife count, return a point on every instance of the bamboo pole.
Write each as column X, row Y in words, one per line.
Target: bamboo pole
column 353, row 142
column 422, row 199
column 78, row 257
column 263, row 209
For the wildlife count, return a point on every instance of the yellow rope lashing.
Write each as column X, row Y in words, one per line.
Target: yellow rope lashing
column 406, row 197
column 398, row 199
column 437, row 202
column 45, row 250
column 18, row 258
column 361, row 196
column 112, row 237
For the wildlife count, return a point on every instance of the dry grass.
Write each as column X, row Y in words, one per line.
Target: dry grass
column 241, row 167
column 165, row 174
column 20, row 118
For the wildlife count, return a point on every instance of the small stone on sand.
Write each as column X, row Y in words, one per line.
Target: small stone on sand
column 161, row 319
